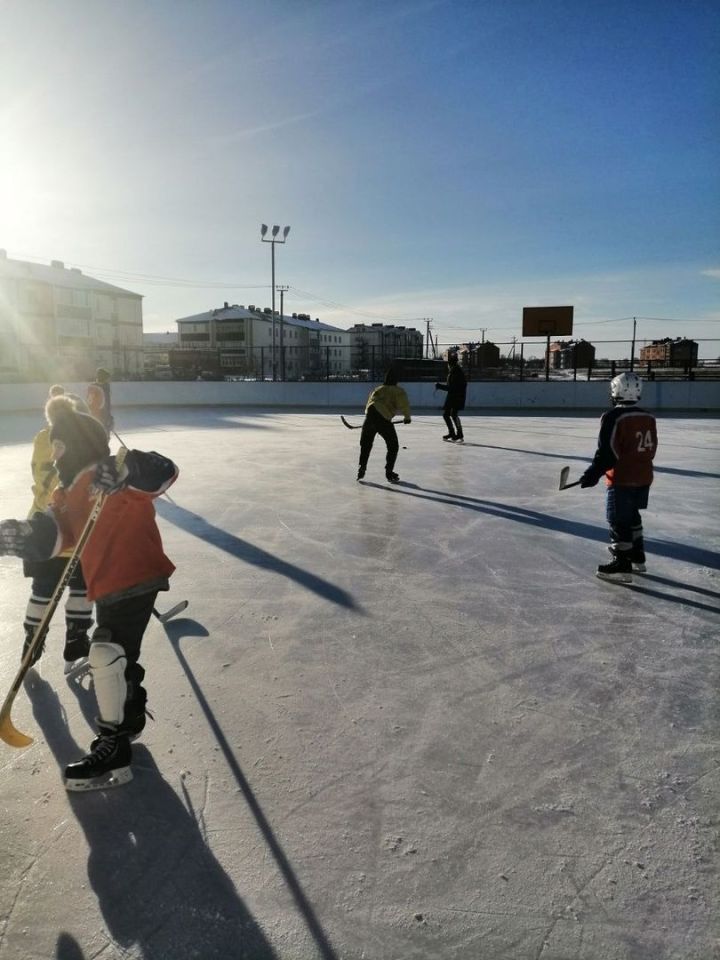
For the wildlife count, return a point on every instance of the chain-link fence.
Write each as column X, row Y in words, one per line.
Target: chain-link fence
column 515, row 360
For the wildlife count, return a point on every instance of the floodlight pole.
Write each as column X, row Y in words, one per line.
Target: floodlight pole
column 632, row 348
column 272, row 240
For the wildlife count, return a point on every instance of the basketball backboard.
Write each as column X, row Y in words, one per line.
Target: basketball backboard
column 547, row 321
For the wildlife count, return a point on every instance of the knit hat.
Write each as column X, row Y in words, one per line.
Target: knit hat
column 84, row 439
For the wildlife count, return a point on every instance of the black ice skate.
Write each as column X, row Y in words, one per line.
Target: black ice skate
column 637, row 559
column 39, row 649
column 459, row 439
column 392, row 477
column 618, row 570
column 77, row 648
column 361, row 473
column 450, row 438
column 107, row 765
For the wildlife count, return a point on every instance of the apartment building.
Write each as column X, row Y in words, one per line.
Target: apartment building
column 244, row 341
column 61, row 324
column 679, row 352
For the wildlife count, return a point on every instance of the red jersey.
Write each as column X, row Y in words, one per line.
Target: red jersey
column 124, row 550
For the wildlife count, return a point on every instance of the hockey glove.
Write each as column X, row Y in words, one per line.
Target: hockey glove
column 406, row 420
column 109, row 478
column 588, row 480
column 14, row 537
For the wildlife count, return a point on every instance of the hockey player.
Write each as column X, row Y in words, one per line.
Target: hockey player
column 46, row 574
column 383, row 403
column 124, row 566
column 98, row 399
column 626, row 448
column 456, row 388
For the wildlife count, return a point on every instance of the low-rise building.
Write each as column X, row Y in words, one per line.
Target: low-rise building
column 234, row 340
column 571, row 354
column 374, row 346
column 679, row 352
column 61, row 324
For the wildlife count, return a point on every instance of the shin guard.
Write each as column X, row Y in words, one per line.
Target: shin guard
column 107, row 665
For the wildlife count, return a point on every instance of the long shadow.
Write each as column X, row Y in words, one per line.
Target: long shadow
column 682, row 586
column 176, row 630
column 564, row 456
column 663, row 548
column 199, row 527
column 159, row 887
column 67, row 948
column 683, row 601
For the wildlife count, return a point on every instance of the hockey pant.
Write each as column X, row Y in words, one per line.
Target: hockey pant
column 113, row 658
column 46, row 574
column 622, row 509
column 452, row 419
column 373, row 424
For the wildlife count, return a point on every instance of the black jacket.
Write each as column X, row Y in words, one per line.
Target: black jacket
column 456, row 388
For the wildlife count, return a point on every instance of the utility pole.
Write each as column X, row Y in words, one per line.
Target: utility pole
column 282, row 289
column 428, row 336
column 632, row 348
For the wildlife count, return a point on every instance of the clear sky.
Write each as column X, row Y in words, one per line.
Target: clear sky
column 452, row 159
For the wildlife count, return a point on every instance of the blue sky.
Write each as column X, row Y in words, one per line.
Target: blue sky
column 443, row 159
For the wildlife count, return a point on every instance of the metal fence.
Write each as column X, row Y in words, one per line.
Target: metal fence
column 525, row 360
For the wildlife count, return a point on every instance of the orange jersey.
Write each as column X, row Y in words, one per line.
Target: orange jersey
column 124, row 550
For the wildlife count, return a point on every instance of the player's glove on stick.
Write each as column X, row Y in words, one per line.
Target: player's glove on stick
column 109, row 477
column 588, row 480
column 14, row 537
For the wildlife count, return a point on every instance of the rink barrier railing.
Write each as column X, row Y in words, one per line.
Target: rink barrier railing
column 524, row 397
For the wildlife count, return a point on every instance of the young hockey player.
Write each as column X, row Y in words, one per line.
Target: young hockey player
column 456, row 388
column 383, row 403
column 124, row 566
column 98, row 399
column 626, row 448
column 46, row 574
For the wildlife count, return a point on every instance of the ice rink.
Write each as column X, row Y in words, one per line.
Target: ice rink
column 394, row 723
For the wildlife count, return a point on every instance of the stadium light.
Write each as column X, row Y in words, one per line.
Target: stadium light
column 272, row 240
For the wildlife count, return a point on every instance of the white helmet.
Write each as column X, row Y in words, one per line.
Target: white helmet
column 626, row 388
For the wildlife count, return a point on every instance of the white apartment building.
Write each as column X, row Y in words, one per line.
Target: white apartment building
column 234, row 339
column 60, row 324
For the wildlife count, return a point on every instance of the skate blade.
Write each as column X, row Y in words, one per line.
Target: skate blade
column 76, row 666
column 615, row 577
column 116, row 778
column 639, row 568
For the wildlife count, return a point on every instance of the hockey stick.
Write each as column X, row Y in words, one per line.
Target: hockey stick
column 172, row 612
column 8, row 733
column 564, row 474
column 358, row 426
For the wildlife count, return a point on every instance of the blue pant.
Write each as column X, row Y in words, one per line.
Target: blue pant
column 622, row 509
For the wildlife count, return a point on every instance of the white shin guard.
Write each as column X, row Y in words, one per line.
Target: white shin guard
column 107, row 665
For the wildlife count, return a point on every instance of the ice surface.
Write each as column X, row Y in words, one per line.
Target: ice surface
column 394, row 722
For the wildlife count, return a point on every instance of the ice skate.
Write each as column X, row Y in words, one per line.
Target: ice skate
column 361, row 473
column 449, row 438
column 39, row 650
column 618, row 570
column 392, row 477
column 106, row 765
column 75, row 653
column 459, row 439
column 637, row 559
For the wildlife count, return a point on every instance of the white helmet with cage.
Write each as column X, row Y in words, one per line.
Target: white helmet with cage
column 626, row 388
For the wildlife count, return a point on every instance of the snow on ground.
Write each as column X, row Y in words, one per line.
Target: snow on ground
column 393, row 723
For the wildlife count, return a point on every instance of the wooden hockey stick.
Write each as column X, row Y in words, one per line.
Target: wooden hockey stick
column 564, row 474
column 8, row 733
column 358, row 426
